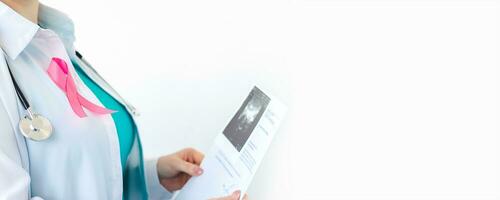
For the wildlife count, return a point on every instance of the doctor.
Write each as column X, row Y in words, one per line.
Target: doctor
column 64, row 132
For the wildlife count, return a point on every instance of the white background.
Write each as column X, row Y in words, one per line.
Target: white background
column 388, row 99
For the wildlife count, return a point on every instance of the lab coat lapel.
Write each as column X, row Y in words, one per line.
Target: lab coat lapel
column 87, row 68
column 135, row 159
column 10, row 104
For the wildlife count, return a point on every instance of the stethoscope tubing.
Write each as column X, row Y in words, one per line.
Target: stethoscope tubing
column 19, row 92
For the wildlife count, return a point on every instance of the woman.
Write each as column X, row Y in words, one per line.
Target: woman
column 95, row 150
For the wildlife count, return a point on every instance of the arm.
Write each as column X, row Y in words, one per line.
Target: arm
column 174, row 170
column 14, row 180
column 155, row 190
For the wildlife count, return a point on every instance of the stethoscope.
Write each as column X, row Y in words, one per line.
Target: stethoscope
column 33, row 126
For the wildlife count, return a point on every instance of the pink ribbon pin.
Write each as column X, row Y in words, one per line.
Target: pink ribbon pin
column 59, row 73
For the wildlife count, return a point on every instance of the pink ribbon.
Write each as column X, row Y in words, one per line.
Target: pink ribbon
column 59, row 73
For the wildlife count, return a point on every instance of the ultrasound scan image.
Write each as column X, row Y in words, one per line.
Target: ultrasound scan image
column 243, row 123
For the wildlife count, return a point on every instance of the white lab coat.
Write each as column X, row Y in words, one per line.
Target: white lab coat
column 81, row 160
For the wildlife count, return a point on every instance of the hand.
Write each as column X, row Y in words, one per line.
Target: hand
column 234, row 196
column 176, row 169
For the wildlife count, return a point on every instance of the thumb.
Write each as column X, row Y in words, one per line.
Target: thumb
column 188, row 168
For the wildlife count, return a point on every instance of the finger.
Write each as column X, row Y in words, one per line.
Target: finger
column 188, row 168
column 234, row 196
column 195, row 156
column 245, row 197
column 176, row 182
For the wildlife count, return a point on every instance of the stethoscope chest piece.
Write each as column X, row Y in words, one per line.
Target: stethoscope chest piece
column 35, row 127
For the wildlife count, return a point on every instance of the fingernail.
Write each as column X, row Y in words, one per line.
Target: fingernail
column 199, row 171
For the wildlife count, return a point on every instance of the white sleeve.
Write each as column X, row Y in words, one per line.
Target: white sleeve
column 14, row 181
column 155, row 189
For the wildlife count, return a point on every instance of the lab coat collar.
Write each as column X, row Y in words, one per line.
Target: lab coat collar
column 16, row 32
column 60, row 23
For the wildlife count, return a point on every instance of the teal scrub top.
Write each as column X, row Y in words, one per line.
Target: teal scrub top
column 133, row 180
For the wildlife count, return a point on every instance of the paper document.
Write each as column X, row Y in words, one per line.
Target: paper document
column 237, row 152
